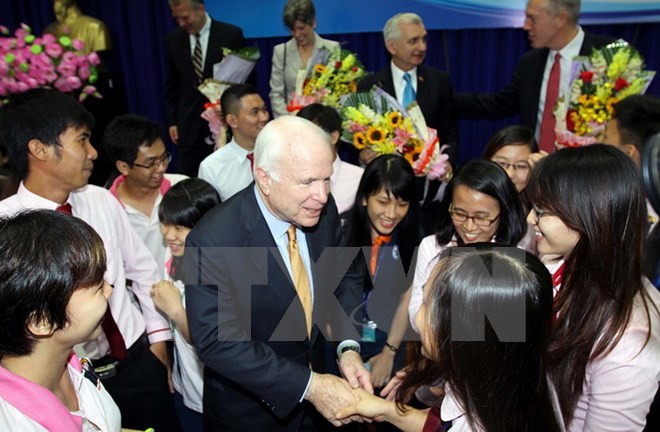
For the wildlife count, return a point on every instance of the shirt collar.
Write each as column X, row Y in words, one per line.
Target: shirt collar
column 207, row 26
column 571, row 49
column 278, row 228
column 31, row 200
column 397, row 74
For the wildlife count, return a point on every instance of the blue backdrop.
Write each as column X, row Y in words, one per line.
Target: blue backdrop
column 480, row 60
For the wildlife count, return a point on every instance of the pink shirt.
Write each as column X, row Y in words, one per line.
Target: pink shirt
column 619, row 387
column 26, row 406
column 127, row 259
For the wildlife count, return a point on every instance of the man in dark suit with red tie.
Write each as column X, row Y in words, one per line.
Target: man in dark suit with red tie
column 191, row 51
column 407, row 79
column 553, row 30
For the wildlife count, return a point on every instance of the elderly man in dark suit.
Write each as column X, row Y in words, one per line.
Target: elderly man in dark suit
column 191, row 51
column 266, row 276
column 407, row 79
column 553, row 30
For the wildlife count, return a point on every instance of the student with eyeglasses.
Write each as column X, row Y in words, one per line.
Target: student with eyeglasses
column 481, row 204
column 514, row 148
column 590, row 219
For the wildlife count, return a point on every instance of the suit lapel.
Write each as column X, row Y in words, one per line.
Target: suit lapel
column 213, row 50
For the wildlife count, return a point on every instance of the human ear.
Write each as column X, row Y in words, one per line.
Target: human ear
column 40, row 327
column 122, row 167
column 37, row 149
column 263, row 180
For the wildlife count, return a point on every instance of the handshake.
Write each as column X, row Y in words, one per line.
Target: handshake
column 341, row 401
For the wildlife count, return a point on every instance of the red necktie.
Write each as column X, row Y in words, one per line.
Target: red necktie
column 109, row 326
column 375, row 246
column 547, row 134
column 250, row 156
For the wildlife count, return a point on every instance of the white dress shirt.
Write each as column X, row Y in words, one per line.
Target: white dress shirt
column 400, row 82
column 127, row 259
column 568, row 53
column 227, row 169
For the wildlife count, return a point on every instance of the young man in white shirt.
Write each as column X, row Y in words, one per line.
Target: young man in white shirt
column 229, row 169
column 135, row 145
column 47, row 134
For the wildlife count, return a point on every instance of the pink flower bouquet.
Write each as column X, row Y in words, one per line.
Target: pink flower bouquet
column 27, row 62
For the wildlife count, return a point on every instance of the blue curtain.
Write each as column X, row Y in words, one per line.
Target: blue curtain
column 480, row 60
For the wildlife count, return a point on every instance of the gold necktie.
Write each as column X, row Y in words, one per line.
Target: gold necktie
column 300, row 278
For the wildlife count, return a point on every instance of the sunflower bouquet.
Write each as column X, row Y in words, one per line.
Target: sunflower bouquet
column 335, row 73
column 375, row 120
column 598, row 82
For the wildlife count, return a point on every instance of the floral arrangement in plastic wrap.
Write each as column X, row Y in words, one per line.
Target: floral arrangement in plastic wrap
column 598, row 82
column 27, row 62
column 377, row 121
column 335, row 73
column 234, row 68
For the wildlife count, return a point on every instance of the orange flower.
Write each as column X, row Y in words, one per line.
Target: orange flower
column 394, row 119
column 319, row 68
column 359, row 141
column 376, row 135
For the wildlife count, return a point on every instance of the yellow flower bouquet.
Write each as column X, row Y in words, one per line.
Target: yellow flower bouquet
column 375, row 120
column 335, row 73
column 598, row 82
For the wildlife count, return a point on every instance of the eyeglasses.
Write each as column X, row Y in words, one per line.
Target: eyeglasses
column 518, row 166
column 165, row 160
column 538, row 213
column 478, row 220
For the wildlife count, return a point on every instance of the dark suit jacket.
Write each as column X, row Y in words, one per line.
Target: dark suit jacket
column 183, row 102
column 434, row 96
column 253, row 382
column 521, row 95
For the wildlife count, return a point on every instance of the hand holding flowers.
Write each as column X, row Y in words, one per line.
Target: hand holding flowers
column 598, row 82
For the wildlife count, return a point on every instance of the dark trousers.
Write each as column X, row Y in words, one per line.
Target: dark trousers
column 141, row 391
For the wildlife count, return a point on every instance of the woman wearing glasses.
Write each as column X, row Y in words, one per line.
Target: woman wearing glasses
column 514, row 149
column 481, row 204
column 590, row 219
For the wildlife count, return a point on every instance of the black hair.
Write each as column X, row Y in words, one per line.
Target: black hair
column 394, row 174
column 597, row 192
column 44, row 257
column 510, row 135
column 500, row 380
column 126, row 133
column 42, row 114
column 326, row 117
column 638, row 119
column 490, row 179
column 230, row 101
column 184, row 205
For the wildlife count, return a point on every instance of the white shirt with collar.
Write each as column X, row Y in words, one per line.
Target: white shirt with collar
column 344, row 183
column 204, row 34
column 400, row 82
column 568, row 53
column 127, row 259
column 227, row 169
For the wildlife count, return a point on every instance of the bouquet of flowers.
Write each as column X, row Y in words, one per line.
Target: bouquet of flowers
column 27, row 62
column 234, row 68
column 598, row 82
column 335, row 73
column 377, row 121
